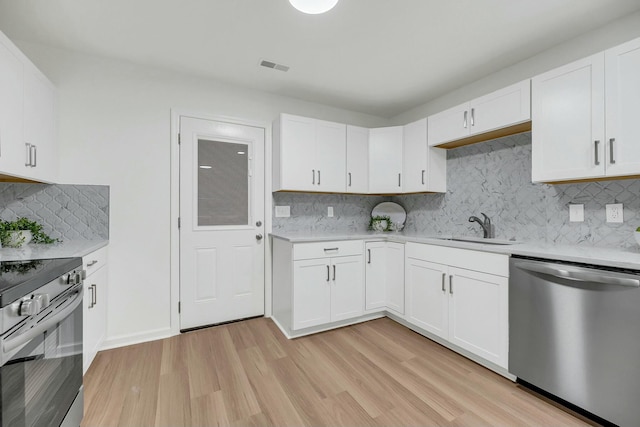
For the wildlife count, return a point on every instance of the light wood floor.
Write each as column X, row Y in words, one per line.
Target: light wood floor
column 248, row 374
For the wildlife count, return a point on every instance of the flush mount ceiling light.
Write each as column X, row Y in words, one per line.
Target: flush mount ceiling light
column 313, row 7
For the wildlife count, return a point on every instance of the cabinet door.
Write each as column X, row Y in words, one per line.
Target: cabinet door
column 395, row 277
column 448, row 125
column 478, row 314
column 12, row 149
column 296, row 147
column 311, row 293
column 94, row 315
column 622, row 65
column 414, row 163
column 385, row 160
column 347, row 293
column 375, row 276
column 357, row 160
column 331, row 155
column 39, row 126
column 426, row 303
column 568, row 122
column 502, row 108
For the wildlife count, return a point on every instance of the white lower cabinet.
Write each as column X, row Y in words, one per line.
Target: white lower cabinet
column 466, row 307
column 94, row 310
column 326, row 290
column 384, row 277
column 317, row 283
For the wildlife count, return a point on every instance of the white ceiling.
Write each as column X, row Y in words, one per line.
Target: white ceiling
column 380, row 57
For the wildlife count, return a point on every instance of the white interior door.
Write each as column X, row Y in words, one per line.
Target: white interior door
column 221, row 216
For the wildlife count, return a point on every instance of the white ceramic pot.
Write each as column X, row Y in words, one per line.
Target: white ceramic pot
column 19, row 238
column 636, row 234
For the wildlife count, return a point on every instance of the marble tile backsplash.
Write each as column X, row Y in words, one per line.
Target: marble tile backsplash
column 495, row 178
column 309, row 212
column 69, row 212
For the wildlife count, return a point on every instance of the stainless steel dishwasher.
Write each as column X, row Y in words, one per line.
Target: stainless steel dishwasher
column 574, row 332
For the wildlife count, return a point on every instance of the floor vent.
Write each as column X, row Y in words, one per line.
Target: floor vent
column 270, row 64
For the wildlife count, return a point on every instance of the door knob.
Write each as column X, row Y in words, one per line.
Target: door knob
column 258, row 236
column 258, row 223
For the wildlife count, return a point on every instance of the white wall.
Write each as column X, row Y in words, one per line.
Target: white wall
column 115, row 130
column 599, row 39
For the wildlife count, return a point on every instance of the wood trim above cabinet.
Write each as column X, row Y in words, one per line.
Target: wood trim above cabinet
column 487, row 136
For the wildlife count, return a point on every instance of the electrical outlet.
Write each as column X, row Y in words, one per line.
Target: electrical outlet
column 330, row 211
column 576, row 213
column 614, row 212
column 283, row 211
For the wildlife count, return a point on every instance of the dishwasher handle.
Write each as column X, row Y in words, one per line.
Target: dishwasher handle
column 579, row 274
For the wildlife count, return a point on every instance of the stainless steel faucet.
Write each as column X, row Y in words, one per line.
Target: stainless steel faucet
column 486, row 225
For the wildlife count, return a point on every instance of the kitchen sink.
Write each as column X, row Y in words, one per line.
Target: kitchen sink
column 479, row 240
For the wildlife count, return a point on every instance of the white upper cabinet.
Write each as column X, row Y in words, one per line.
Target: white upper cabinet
column 385, row 160
column 424, row 167
column 622, row 94
column 28, row 143
column 568, row 122
column 357, row 159
column 11, row 104
column 39, row 127
column 585, row 118
column 308, row 155
column 501, row 111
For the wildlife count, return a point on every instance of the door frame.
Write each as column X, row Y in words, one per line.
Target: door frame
column 175, row 207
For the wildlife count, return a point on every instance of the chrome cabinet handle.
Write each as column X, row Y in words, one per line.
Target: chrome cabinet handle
column 423, row 171
column 334, row 273
column 611, row 159
column 34, row 156
column 597, row 143
column 331, row 249
column 473, row 118
column 27, row 161
column 328, row 273
column 464, row 121
column 369, row 256
column 92, row 263
column 91, row 303
column 349, row 179
column 318, row 177
column 444, row 275
column 313, row 172
column 94, row 295
column 399, row 180
column 451, row 284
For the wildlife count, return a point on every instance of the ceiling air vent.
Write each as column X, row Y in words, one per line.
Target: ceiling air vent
column 270, row 64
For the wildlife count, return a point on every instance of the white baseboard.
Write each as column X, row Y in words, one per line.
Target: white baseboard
column 130, row 339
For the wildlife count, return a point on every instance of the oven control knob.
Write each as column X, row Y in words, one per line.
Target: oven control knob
column 72, row 278
column 28, row 307
column 42, row 300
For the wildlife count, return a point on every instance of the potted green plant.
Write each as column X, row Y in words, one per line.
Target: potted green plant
column 14, row 234
column 636, row 234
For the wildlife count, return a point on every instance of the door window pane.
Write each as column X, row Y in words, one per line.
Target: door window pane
column 223, row 183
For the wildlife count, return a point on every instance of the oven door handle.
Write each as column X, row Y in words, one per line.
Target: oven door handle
column 54, row 318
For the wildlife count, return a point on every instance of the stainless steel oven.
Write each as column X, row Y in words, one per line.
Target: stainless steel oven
column 41, row 343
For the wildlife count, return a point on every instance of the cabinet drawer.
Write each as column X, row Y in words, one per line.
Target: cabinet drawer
column 468, row 259
column 93, row 261
column 327, row 249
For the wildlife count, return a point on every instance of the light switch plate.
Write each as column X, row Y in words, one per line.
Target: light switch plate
column 283, row 211
column 330, row 211
column 614, row 212
column 576, row 213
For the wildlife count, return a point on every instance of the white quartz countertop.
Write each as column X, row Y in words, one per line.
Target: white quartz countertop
column 65, row 249
column 610, row 257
